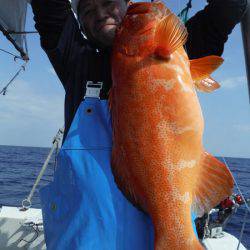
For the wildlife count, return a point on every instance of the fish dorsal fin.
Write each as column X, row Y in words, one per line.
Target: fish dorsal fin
column 207, row 85
column 202, row 68
column 215, row 183
column 170, row 34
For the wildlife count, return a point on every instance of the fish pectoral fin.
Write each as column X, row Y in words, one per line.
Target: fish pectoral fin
column 207, row 85
column 170, row 34
column 215, row 183
column 203, row 67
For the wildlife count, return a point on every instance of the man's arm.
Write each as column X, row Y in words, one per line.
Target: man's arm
column 60, row 35
column 50, row 17
column 209, row 29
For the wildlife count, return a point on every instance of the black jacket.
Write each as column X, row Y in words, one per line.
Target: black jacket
column 76, row 61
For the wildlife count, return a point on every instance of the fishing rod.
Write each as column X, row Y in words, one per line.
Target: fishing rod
column 245, row 29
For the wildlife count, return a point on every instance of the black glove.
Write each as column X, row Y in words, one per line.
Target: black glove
column 209, row 29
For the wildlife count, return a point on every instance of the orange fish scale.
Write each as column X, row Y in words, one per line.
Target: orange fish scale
column 153, row 124
column 158, row 158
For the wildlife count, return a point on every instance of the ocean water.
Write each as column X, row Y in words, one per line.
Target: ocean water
column 19, row 167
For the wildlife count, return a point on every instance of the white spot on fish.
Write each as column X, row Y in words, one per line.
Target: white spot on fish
column 184, row 198
column 208, row 82
column 182, row 57
column 185, row 87
column 167, row 84
column 186, row 164
column 175, row 67
column 190, row 241
column 172, row 127
column 184, row 60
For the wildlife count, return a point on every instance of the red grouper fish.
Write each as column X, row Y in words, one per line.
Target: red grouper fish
column 158, row 159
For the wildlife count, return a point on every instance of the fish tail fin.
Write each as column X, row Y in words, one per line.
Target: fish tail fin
column 215, row 183
column 201, row 69
column 170, row 34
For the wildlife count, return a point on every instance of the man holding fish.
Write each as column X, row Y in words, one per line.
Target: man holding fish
column 208, row 31
column 158, row 160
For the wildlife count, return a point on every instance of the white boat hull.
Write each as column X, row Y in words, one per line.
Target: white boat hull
column 226, row 242
column 17, row 227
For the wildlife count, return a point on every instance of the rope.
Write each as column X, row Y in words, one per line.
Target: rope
column 242, row 229
column 55, row 160
column 246, row 203
column 36, row 229
column 246, row 210
column 4, row 90
column 7, row 52
column 26, row 203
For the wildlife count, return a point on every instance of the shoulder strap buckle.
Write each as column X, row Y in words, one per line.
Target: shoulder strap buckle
column 93, row 90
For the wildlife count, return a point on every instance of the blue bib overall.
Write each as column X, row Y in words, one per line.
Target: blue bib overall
column 82, row 208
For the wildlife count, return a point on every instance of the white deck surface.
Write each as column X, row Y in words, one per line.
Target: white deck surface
column 16, row 225
column 227, row 242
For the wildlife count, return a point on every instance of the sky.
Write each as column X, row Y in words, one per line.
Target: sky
column 32, row 111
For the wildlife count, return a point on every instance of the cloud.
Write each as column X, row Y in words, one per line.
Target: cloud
column 28, row 115
column 233, row 82
column 24, row 100
column 242, row 127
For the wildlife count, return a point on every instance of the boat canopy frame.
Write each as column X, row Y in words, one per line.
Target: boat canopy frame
column 245, row 29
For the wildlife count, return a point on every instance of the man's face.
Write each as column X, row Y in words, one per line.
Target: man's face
column 100, row 19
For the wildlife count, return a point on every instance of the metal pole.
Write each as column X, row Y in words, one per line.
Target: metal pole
column 22, row 53
column 245, row 28
column 22, row 32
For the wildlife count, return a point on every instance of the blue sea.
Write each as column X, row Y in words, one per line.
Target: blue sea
column 19, row 167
